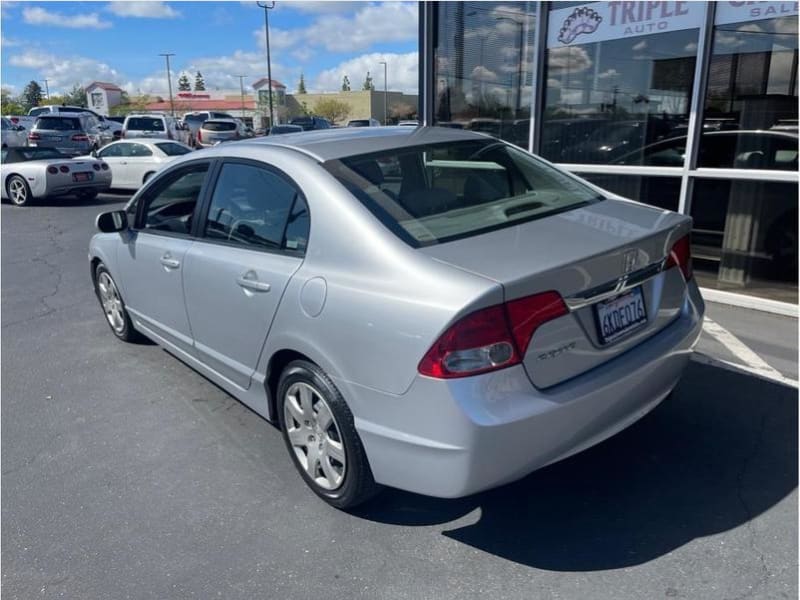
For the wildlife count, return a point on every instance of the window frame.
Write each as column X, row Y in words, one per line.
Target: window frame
column 199, row 224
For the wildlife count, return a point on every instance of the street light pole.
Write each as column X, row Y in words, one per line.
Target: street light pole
column 385, row 93
column 241, row 88
column 169, row 83
column 267, row 6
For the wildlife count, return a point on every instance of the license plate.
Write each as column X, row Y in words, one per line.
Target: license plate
column 620, row 315
column 54, row 139
column 81, row 176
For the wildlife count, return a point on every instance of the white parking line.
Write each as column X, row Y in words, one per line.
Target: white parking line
column 753, row 363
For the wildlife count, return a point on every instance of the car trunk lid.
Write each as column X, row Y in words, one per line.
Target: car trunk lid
column 590, row 256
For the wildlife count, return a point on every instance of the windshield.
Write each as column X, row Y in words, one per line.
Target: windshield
column 145, row 124
column 173, row 149
column 433, row 194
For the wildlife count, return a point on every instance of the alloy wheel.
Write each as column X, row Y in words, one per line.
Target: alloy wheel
column 112, row 303
column 314, row 435
column 18, row 191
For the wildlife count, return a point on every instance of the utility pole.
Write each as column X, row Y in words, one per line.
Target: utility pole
column 385, row 93
column 241, row 88
column 46, row 88
column 267, row 6
column 169, row 83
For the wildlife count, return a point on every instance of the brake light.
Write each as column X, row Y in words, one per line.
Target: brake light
column 681, row 256
column 199, row 135
column 80, row 137
column 34, row 136
column 491, row 338
column 96, row 167
column 52, row 170
column 64, row 169
column 104, row 166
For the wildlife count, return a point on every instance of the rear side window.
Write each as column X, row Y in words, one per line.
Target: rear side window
column 219, row 126
column 171, row 149
column 35, row 112
column 145, row 124
column 195, row 118
column 170, row 206
column 434, row 194
column 58, row 123
column 257, row 208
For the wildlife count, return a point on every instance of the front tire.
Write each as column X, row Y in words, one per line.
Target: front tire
column 113, row 306
column 321, row 437
column 18, row 190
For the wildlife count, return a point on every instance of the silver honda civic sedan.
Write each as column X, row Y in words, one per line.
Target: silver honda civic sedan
column 429, row 309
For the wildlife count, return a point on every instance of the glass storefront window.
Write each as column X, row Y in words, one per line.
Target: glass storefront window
column 750, row 119
column 484, row 63
column 745, row 236
column 662, row 192
column 619, row 80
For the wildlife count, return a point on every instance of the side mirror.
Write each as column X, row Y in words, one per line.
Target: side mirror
column 109, row 222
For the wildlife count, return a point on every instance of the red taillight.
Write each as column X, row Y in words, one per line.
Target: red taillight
column 52, row 170
column 80, row 137
column 96, row 167
column 491, row 338
column 104, row 166
column 34, row 136
column 64, row 169
column 681, row 256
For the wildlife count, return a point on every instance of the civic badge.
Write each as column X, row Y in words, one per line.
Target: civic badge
column 629, row 258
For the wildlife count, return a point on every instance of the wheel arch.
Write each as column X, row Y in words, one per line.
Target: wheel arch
column 277, row 363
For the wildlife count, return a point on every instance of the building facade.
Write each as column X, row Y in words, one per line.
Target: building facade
column 102, row 97
column 689, row 106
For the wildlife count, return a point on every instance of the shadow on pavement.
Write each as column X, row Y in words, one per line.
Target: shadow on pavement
column 70, row 200
column 719, row 452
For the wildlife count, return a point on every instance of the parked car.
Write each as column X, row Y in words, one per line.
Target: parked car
column 195, row 119
column 309, row 123
column 32, row 172
column 155, row 125
column 281, row 129
column 364, row 123
column 75, row 134
column 114, row 127
column 448, row 328
column 215, row 131
column 134, row 161
column 12, row 135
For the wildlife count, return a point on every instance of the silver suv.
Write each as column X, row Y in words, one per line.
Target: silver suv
column 194, row 120
column 73, row 134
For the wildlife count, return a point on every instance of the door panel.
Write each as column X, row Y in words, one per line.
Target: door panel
column 151, row 268
column 232, row 295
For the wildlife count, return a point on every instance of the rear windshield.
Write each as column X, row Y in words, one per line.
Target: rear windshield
column 218, row 126
column 359, row 123
column 58, row 123
column 35, row 112
column 173, row 149
column 145, row 124
column 195, row 118
column 433, row 194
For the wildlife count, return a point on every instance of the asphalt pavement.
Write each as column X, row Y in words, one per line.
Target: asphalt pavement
column 125, row 474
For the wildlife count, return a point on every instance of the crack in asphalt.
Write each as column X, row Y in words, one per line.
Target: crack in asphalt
column 765, row 571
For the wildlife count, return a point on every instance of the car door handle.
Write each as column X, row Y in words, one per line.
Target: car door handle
column 169, row 262
column 249, row 281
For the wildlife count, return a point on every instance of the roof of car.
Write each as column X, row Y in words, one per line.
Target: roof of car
column 328, row 144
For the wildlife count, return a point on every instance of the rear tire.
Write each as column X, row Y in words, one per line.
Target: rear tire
column 321, row 437
column 18, row 190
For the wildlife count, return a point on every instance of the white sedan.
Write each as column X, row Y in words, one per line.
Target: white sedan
column 133, row 161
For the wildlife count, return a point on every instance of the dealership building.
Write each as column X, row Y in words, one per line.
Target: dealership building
column 688, row 106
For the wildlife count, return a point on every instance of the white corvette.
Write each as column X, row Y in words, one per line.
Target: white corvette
column 28, row 173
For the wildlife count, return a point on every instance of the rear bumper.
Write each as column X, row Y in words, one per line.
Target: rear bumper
column 454, row 438
column 61, row 190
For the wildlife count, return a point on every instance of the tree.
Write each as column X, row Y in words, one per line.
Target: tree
column 368, row 85
column 31, row 96
column 332, row 109
column 301, row 87
column 199, row 82
column 345, row 84
column 184, row 85
column 9, row 105
column 130, row 105
column 76, row 96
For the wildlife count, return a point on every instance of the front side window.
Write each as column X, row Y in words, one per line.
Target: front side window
column 113, row 150
column 170, row 206
column 619, row 80
column 140, row 150
column 433, row 194
column 256, row 208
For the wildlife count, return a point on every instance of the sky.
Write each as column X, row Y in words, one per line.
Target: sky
column 120, row 42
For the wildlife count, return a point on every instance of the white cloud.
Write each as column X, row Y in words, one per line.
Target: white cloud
column 64, row 72
column 39, row 16
column 7, row 42
column 639, row 46
column 323, row 7
column 690, row 47
column 148, row 9
column 573, row 59
column 371, row 24
column 402, row 72
column 552, row 82
column 608, row 73
column 481, row 73
column 279, row 39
